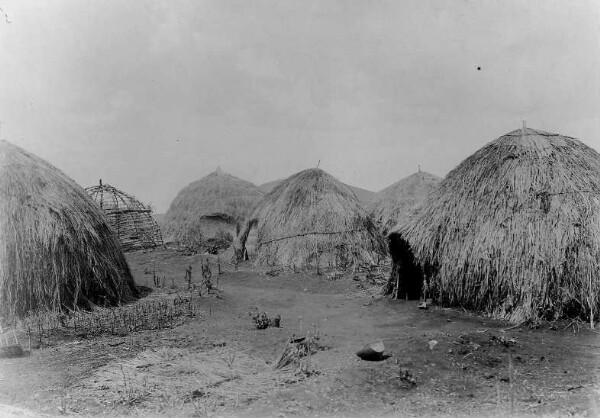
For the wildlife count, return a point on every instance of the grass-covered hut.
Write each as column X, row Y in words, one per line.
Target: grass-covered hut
column 130, row 219
column 312, row 219
column 210, row 209
column 56, row 248
column 401, row 199
column 513, row 231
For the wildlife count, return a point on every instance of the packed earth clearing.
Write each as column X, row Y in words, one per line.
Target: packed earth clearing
column 204, row 356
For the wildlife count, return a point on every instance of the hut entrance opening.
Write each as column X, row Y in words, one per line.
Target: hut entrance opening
column 406, row 280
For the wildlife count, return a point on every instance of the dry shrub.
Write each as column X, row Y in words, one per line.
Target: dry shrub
column 296, row 349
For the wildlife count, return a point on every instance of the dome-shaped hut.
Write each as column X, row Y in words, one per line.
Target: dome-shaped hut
column 130, row 219
column 210, row 208
column 56, row 248
column 312, row 219
column 401, row 199
column 513, row 231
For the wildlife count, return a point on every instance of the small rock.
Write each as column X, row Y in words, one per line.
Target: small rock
column 432, row 344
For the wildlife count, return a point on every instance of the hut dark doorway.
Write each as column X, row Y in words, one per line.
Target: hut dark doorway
column 406, row 281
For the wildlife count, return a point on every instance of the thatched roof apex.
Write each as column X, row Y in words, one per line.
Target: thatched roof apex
column 56, row 248
column 217, row 193
column 515, row 227
column 313, row 181
column 402, row 198
column 364, row 196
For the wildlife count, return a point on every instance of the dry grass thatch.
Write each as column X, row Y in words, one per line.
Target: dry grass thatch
column 56, row 248
column 364, row 196
column 402, row 198
column 313, row 219
column 217, row 202
column 514, row 230
column 130, row 219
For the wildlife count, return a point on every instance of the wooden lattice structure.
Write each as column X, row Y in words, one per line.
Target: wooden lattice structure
column 130, row 219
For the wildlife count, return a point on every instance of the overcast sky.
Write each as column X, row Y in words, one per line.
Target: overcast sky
column 151, row 95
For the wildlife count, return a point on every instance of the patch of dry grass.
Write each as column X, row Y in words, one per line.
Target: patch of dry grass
column 183, row 381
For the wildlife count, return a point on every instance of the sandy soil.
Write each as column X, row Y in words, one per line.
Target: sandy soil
column 442, row 362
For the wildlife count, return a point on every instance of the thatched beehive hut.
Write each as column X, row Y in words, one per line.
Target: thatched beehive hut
column 209, row 208
column 401, row 199
column 312, row 219
column 513, row 231
column 56, row 248
column 130, row 219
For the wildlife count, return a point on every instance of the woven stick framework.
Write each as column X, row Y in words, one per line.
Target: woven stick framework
column 130, row 219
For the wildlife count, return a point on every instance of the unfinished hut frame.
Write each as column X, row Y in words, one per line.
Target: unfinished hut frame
column 130, row 219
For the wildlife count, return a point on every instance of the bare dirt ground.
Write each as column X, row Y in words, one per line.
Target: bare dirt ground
column 442, row 362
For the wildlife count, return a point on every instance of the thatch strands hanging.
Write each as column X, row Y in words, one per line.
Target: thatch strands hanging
column 312, row 219
column 210, row 207
column 130, row 219
column 401, row 199
column 514, row 230
column 56, row 248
